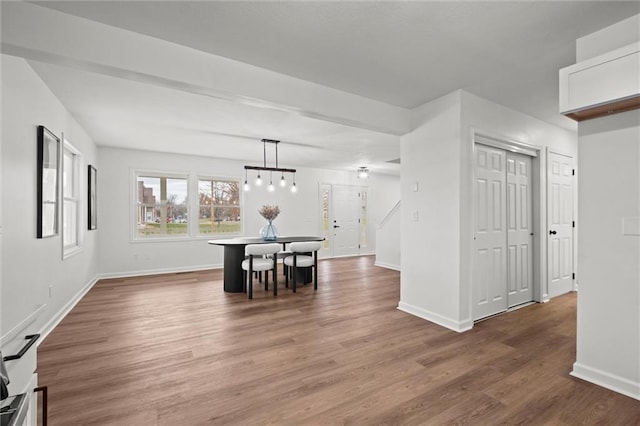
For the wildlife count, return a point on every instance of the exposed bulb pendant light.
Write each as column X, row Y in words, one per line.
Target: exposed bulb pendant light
column 294, row 188
column 246, row 186
column 264, row 167
column 271, row 188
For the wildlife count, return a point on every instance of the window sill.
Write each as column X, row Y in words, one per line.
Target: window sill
column 164, row 239
column 70, row 252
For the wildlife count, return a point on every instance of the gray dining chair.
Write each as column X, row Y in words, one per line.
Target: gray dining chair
column 255, row 261
column 300, row 258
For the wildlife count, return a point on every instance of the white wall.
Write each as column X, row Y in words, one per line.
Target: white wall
column 609, row 38
column 608, row 348
column 437, row 249
column 119, row 255
column 388, row 254
column 30, row 265
column 430, row 279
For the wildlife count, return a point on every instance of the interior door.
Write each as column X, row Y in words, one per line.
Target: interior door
column 346, row 220
column 490, row 280
column 560, row 223
column 519, row 229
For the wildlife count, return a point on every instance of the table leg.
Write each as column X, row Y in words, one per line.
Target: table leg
column 233, row 257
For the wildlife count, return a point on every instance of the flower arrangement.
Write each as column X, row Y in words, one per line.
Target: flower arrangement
column 269, row 212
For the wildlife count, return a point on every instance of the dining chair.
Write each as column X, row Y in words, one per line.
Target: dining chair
column 255, row 261
column 300, row 258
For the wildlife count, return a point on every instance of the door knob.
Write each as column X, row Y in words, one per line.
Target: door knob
column 552, row 232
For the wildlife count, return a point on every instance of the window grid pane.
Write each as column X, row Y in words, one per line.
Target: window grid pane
column 70, row 224
column 162, row 206
column 70, row 220
column 219, row 211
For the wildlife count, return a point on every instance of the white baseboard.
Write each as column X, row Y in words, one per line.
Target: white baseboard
column 59, row 316
column 607, row 380
column 157, row 271
column 22, row 325
column 451, row 324
column 387, row 266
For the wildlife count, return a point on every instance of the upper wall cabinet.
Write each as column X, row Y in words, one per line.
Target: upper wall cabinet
column 606, row 84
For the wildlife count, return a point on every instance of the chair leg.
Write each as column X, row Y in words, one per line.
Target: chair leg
column 244, row 281
column 315, row 270
column 266, row 280
column 275, row 279
column 286, row 279
column 294, row 271
column 250, row 284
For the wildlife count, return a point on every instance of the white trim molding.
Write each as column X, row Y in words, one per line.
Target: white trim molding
column 607, row 380
column 451, row 324
column 387, row 266
column 59, row 316
column 158, row 271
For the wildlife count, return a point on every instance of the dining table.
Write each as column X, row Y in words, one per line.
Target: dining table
column 234, row 255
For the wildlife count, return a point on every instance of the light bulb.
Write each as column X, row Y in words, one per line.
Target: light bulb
column 294, row 188
column 271, row 188
column 258, row 180
column 246, row 186
column 283, row 181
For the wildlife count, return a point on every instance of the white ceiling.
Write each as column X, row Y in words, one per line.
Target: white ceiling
column 399, row 53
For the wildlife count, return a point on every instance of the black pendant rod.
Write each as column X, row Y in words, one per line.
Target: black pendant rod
column 264, row 159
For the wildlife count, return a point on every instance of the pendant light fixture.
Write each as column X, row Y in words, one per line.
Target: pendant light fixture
column 265, row 168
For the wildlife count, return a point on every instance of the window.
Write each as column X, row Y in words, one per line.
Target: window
column 168, row 206
column 219, row 202
column 325, row 192
column 162, row 209
column 363, row 219
column 71, row 199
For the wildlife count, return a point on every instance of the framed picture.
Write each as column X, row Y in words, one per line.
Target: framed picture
column 48, row 183
column 93, row 198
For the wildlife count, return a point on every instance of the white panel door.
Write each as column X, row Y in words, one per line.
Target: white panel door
column 560, row 223
column 490, row 280
column 346, row 220
column 519, row 229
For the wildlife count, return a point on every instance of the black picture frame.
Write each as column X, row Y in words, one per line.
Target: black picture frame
column 92, row 197
column 48, row 186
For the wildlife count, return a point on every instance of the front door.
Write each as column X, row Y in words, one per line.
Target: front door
column 560, row 177
column 345, row 224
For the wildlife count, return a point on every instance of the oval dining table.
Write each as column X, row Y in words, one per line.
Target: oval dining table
column 234, row 255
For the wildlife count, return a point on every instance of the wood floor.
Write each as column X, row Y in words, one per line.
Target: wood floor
column 176, row 350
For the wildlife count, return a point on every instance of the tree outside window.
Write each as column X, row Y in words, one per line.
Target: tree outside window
column 219, row 202
column 162, row 206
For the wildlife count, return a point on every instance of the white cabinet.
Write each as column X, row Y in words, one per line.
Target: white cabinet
column 602, row 85
column 23, row 379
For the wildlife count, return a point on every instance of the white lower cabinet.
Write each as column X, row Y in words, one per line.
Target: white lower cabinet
column 23, row 381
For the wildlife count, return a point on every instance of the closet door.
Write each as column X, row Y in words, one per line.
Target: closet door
column 519, row 229
column 490, row 280
column 560, row 221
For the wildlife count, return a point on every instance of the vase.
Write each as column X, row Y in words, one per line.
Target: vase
column 269, row 232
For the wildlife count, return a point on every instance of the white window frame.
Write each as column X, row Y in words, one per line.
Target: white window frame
column 75, row 247
column 136, row 173
column 193, row 206
column 196, row 226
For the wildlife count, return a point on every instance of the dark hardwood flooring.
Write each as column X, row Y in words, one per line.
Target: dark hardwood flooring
column 176, row 350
